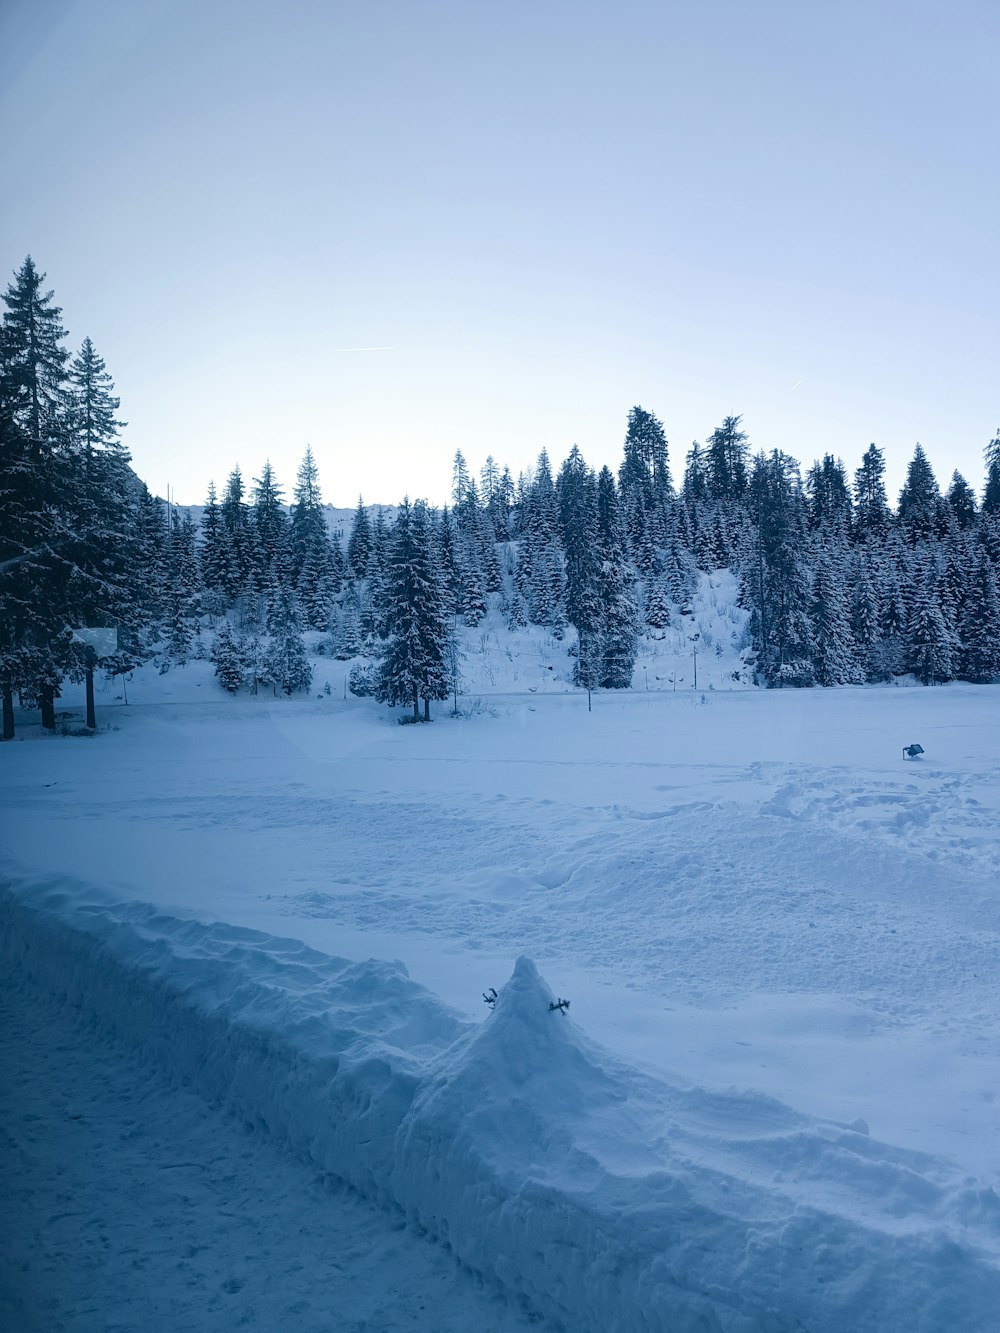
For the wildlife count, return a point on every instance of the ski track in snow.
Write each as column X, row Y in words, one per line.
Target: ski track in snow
column 129, row 1204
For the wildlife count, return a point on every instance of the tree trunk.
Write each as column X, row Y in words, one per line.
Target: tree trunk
column 8, row 714
column 416, row 709
column 427, row 710
column 91, row 715
column 48, row 710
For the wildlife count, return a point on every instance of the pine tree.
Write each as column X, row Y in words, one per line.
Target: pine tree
column 727, row 462
column 978, row 627
column 182, row 594
column 644, row 476
column 226, row 655
column 921, row 511
column 360, row 541
column 779, row 582
column 865, row 621
column 829, row 498
column 212, row 554
column 835, row 658
column 93, row 402
column 35, row 361
column 962, row 501
column 620, row 616
column 288, row 664
column 238, row 546
column 577, row 494
column 271, row 528
column 991, row 494
column 931, row 640
column 308, row 533
column 871, row 506
column 414, row 664
column 35, row 527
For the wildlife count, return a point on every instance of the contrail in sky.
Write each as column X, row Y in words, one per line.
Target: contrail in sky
column 390, row 348
column 795, row 385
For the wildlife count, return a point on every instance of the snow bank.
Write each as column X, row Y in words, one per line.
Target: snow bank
column 607, row 1199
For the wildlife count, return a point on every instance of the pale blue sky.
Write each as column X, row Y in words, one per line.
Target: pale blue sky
column 546, row 211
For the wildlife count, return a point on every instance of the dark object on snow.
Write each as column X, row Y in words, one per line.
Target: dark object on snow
column 911, row 751
column 559, row 1004
column 490, row 996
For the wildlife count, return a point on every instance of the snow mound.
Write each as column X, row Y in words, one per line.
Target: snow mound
column 604, row 1198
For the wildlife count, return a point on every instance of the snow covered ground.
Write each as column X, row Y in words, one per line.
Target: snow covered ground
column 773, row 1102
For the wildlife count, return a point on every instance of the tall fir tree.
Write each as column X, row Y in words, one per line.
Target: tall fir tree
column 871, row 505
column 414, row 664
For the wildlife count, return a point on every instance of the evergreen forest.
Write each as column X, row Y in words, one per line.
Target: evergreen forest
column 841, row 585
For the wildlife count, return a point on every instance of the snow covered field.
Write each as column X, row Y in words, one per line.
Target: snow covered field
column 772, row 1104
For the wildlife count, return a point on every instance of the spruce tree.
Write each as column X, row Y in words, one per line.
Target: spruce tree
column 620, row 616
column 414, row 664
column 288, row 664
column 835, row 656
column 871, row 505
column 931, row 640
column 360, row 541
column 978, row 658
column 229, row 667
column 962, row 501
column 93, row 402
column 34, row 434
column 212, row 555
column 921, row 511
column 726, row 460
column 991, row 494
column 778, row 581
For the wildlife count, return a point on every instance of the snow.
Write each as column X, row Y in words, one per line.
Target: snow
column 771, row 1103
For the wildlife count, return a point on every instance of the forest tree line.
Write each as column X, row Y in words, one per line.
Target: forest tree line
column 842, row 587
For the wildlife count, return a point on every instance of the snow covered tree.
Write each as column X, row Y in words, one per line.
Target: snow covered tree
column 577, row 494
column 777, row 580
column 726, row 460
column 644, row 476
column 619, row 644
column 829, row 499
column 931, row 640
column 288, row 664
column 93, row 402
column 211, row 553
column 270, row 524
column 921, row 511
column 359, row 542
column 835, row 659
column 962, row 501
column 991, row 494
column 237, row 536
column 871, row 505
column 229, row 667
column 978, row 658
column 414, row 664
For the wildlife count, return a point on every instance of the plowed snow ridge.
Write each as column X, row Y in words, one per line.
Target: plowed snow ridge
column 604, row 1198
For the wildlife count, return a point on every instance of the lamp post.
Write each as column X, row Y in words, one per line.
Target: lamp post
column 693, row 640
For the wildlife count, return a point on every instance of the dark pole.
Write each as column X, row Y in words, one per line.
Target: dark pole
column 8, row 714
column 91, row 715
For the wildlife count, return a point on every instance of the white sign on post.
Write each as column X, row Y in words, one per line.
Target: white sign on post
column 103, row 641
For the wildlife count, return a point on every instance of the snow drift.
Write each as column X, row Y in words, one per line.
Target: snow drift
column 603, row 1197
